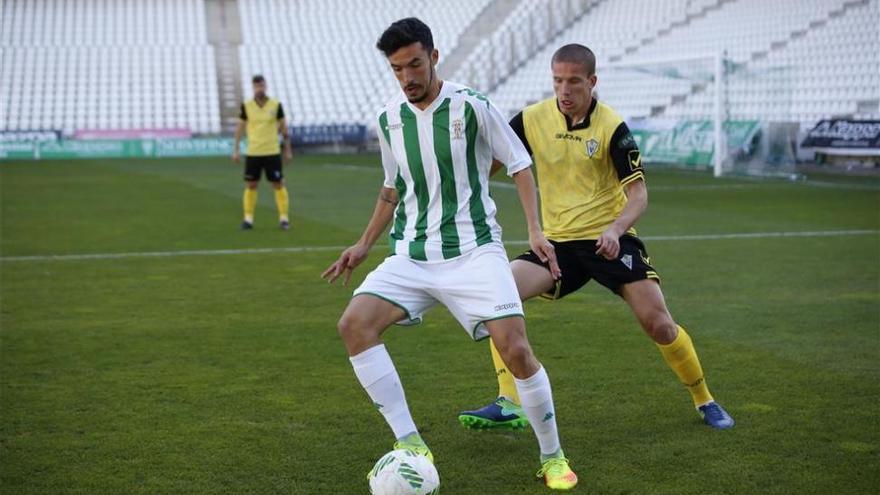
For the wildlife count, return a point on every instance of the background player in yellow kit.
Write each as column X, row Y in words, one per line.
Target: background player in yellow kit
column 263, row 119
column 592, row 193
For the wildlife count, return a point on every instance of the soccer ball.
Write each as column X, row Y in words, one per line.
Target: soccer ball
column 403, row 472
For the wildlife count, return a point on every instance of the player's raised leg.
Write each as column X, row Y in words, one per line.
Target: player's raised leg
column 361, row 326
column 647, row 302
column 533, row 385
column 505, row 411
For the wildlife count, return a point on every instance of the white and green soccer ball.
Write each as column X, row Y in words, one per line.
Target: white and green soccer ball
column 403, row 472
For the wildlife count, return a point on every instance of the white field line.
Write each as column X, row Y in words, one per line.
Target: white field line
column 309, row 249
column 752, row 183
column 508, row 185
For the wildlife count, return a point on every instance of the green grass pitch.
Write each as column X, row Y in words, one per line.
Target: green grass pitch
column 223, row 373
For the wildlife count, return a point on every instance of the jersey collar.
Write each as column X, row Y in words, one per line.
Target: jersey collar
column 444, row 91
column 583, row 125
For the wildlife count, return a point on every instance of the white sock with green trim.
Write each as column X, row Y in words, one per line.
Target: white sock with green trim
column 376, row 372
column 536, row 398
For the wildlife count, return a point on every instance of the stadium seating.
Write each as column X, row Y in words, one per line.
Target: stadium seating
column 106, row 64
column 824, row 73
column 774, row 49
column 128, row 64
column 319, row 57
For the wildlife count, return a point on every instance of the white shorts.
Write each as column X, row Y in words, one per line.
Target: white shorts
column 476, row 287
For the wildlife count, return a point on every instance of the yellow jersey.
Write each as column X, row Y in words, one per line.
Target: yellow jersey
column 581, row 169
column 262, row 126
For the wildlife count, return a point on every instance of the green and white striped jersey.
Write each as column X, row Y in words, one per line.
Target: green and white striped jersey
column 439, row 159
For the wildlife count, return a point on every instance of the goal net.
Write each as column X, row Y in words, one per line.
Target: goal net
column 705, row 112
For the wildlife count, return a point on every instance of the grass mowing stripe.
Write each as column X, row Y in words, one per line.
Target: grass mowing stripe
column 306, row 249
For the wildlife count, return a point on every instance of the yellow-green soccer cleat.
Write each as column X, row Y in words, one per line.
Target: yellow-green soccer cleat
column 416, row 445
column 557, row 474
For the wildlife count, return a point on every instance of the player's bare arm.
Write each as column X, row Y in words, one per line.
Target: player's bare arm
column 285, row 139
column 356, row 254
column 528, row 196
column 236, row 141
column 608, row 244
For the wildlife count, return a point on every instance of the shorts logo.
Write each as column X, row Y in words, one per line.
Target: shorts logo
column 502, row 307
column 627, row 260
column 457, row 126
column 592, row 147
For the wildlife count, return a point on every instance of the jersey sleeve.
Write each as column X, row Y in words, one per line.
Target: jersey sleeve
column 626, row 155
column 506, row 146
column 389, row 164
column 243, row 114
column 280, row 114
column 519, row 128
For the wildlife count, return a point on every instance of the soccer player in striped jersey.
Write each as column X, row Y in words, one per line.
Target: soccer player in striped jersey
column 592, row 193
column 438, row 140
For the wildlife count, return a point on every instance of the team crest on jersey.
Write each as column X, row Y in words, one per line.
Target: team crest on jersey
column 627, row 260
column 457, row 129
column 592, row 147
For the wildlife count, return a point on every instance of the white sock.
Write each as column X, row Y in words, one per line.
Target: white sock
column 377, row 375
column 537, row 402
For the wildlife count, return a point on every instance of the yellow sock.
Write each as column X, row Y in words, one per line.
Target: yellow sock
column 282, row 201
column 506, row 386
column 250, row 204
column 682, row 358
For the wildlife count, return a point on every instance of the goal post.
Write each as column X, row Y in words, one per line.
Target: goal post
column 684, row 113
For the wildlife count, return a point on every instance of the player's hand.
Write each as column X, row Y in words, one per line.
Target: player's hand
column 608, row 245
column 288, row 154
column 545, row 252
column 347, row 262
column 236, row 156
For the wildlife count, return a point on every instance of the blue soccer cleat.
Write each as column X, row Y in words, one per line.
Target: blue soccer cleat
column 247, row 225
column 715, row 416
column 502, row 414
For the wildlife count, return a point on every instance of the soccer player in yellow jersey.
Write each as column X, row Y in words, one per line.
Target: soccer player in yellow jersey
column 593, row 191
column 263, row 119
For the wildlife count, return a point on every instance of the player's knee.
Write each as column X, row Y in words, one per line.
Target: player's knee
column 347, row 327
column 354, row 330
column 662, row 329
column 518, row 357
column 251, row 184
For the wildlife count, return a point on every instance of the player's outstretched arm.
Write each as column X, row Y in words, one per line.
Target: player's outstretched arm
column 528, row 196
column 355, row 255
column 608, row 244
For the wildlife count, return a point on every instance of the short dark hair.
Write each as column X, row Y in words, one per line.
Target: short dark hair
column 575, row 53
column 258, row 78
column 404, row 33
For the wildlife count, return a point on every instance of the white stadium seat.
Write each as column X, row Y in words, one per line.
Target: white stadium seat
column 112, row 61
column 121, row 64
